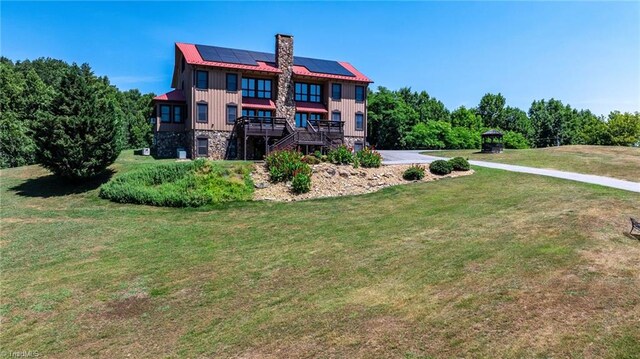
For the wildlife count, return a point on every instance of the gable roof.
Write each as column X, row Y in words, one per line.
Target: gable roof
column 265, row 62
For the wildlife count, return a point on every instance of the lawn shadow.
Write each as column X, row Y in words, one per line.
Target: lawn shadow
column 53, row 186
column 632, row 235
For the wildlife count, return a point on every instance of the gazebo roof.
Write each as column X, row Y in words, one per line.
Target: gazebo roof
column 492, row 133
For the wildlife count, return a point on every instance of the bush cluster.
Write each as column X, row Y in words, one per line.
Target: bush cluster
column 301, row 183
column 459, row 164
column 414, row 173
column 369, row 158
column 186, row 184
column 341, row 155
column 440, row 167
column 283, row 165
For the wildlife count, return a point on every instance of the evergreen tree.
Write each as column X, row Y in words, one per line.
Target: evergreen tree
column 79, row 138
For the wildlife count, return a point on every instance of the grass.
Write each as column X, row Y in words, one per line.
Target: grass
column 616, row 162
column 496, row 264
column 182, row 184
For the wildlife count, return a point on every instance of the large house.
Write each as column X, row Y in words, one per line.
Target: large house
column 239, row 104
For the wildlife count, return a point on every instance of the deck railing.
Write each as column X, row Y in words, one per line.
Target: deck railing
column 327, row 125
column 261, row 122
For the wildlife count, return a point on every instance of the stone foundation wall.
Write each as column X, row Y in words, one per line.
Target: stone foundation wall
column 351, row 141
column 167, row 142
column 218, row 142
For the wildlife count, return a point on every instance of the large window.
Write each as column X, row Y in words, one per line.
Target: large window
column 360, row 93
column 232, row 114
column 203, row 112
column 232, row 82
column 203, row 147
column 177, row 114
column 202, row 79
column 308, row 92
column 165, row 113
column 336, row 91
column 336, row 116
column 302, row 118
column 359, row 122
column 257, row 88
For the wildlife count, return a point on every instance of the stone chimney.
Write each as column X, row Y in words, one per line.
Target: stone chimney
column 285, row 106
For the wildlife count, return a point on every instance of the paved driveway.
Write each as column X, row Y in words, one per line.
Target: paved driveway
column 390, row 157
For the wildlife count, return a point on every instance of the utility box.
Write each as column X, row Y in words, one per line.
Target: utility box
column 146, row 151
column 181, row 153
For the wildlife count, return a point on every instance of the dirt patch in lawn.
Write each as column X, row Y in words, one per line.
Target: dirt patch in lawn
column 329, row 180
column 128, row 307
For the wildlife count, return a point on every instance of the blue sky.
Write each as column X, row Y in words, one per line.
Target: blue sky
column 586, row 54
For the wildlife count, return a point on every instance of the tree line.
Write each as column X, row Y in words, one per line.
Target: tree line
column 404, row 119
column 49, row 107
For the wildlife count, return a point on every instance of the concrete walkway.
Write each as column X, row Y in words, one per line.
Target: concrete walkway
column 390, row 157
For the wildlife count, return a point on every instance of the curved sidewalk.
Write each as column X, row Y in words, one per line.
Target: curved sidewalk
column 391, row 157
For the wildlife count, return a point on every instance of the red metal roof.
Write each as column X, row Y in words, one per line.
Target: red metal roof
column 310, row 107
column 175, row 95
column 192, row 56
column 259, row 103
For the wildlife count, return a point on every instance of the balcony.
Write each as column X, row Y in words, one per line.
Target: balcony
column 262, row 126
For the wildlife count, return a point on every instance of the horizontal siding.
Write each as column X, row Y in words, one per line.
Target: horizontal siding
column 348, row 108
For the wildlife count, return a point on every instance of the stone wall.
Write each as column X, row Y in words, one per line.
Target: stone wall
column 285, row 106
column 167, row 142
column 351, row 141
column 218, row 142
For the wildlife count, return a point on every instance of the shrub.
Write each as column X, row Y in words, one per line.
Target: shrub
column 459, row 164
column 282, row 165
column 369, row 158
column 440, row 167
column 515, row 140
column 186, row 184
column 341, row 155
column 311, row 159
column 301, row 183
column 414, row 173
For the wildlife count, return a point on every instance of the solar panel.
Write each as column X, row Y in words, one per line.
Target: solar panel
column 322, row 66
column 244, row 57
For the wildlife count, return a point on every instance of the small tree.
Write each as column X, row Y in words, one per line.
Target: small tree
column 79, row 139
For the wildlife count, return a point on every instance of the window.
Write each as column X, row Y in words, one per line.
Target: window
column 232, row 82
column 308, row 92
column 359, row 122
column 177, row 114
column 257, row 88
column 358, row 146
column 260, row 113
column 336, row 91
column 301, row 119
column 336, row 116
column 183, row 64
column 202, row 80
column 165, row 113
column 203, row 147
column 232, row 114
column 360, row 93
column 203, row 112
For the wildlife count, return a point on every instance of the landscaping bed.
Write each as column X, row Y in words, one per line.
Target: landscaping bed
column 331, row 180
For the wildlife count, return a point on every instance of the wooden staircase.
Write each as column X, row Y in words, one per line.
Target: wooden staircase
column 310, row 135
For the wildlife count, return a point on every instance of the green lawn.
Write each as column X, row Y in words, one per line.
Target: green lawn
column 617, row 162
column 496, row 264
